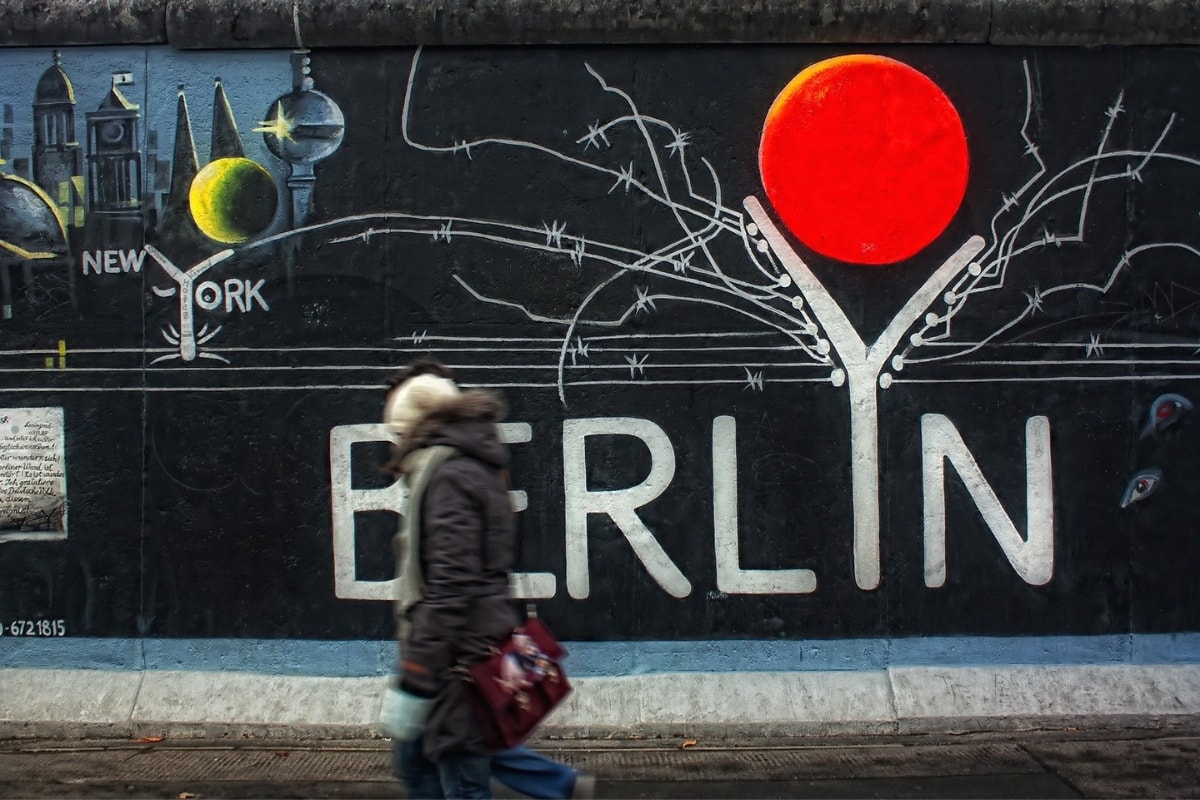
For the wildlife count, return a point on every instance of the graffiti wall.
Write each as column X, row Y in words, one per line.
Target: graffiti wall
column 798, row 342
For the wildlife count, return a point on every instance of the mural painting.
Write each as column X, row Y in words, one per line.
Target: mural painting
column 797, row 342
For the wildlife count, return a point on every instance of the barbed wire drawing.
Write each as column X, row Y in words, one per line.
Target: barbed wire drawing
column 1006, row 245
column 770, row 294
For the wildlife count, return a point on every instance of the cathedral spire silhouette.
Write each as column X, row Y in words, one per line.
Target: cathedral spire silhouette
column 184, row 165
column 177, row 225
column 226, row 141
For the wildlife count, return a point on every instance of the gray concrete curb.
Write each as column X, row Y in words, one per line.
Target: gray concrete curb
column 236, row 24
column 179, row 704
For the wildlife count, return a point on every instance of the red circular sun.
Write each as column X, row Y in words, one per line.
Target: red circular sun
column 864, row 159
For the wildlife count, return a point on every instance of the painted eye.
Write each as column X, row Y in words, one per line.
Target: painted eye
column 1141, row 486
column 1165, row 411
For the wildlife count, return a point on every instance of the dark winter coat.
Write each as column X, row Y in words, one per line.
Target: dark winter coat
column 467, row 547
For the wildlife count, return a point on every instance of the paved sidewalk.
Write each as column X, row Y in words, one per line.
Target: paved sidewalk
column 1128, row 762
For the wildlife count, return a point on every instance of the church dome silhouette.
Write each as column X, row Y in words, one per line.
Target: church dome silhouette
column 29, row 225
column 54, row 86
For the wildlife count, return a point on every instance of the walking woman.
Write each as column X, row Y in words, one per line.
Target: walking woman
column 454, row 554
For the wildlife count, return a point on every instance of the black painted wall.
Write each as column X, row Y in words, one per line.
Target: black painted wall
column 505, row 210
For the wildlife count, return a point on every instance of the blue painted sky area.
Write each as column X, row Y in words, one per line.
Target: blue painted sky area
column 253, row 80
column 604, row 659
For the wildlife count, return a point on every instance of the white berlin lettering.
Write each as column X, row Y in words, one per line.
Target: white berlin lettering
column 1032, row 556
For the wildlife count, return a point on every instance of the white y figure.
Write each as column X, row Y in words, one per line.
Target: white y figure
column 863, row 376
column 185, row 337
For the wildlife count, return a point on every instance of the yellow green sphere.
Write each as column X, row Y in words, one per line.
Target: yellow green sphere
column 233, row 199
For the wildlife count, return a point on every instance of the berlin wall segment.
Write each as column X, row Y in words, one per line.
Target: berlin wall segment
column 799, row 341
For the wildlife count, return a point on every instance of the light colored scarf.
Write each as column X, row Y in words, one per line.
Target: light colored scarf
column 418, row 467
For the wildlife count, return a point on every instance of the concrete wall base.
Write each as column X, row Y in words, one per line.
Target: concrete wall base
column 98, row 703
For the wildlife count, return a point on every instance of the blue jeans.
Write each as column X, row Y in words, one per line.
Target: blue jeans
column 520, row 769
column 453, row 777
column 533, row 775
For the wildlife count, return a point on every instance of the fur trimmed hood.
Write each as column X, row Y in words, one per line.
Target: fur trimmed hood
column 467, row 422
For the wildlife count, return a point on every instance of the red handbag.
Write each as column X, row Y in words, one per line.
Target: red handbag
column 520, row 685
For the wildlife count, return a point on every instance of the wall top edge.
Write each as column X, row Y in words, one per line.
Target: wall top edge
column 238, row 24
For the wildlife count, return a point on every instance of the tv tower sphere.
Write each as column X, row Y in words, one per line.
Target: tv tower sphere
column 305, row 125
